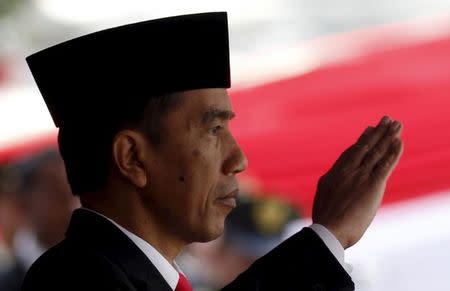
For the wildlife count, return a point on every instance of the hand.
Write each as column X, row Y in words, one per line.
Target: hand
column 350, row 193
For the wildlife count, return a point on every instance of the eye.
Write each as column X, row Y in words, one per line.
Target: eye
column 215, row 130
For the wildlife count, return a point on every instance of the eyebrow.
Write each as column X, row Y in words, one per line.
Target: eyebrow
column 214, row 113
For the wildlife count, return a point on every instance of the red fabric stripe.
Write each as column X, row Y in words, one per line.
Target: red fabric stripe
column 293, row 130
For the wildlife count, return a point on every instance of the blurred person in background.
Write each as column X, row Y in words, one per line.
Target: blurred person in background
column 11, row 214
column 252, row 229
column 46, row 204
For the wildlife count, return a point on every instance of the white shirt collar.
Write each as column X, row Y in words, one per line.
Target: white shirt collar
column 167, row 270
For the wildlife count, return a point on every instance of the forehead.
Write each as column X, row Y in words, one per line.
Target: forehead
column 201, row 99
column 198, row 103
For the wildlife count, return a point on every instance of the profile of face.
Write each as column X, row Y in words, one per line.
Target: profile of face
column 190, row 181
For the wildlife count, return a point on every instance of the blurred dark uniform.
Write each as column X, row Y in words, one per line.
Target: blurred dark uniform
column 252, row 229
column 13, row 271
column 257, row 225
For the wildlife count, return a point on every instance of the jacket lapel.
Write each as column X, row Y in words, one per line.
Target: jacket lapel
column 102, row 237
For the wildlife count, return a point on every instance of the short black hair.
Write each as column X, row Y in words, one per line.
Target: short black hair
column 87, row 148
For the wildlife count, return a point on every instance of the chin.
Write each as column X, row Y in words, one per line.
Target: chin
column 210, row 232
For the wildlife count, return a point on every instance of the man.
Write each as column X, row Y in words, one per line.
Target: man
column 11, row 217
column 46, row 204
column 143, row 117
column 11, row 214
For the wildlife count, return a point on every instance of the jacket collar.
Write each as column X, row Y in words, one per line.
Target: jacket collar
column 101, row 236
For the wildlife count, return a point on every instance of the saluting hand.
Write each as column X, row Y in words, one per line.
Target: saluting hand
column 350, row 193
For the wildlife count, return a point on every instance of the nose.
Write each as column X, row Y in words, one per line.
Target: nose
column 237, row 161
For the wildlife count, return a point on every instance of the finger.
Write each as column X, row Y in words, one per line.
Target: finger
column 365, row 135
column 369, row 139
column 346, row 156
column 380, row 149
column 353, row 155
column 385, row 166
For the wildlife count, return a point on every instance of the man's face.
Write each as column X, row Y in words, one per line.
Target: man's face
column 191, row 180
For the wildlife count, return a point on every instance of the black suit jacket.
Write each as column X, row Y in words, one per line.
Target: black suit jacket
column 96, row 255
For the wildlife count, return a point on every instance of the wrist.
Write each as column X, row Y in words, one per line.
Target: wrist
column 340, row 235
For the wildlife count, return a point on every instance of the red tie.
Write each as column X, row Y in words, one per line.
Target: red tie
column 183, row 284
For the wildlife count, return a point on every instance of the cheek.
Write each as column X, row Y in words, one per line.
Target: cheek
column 196, row 153
column 191, row 172
column 200, row 179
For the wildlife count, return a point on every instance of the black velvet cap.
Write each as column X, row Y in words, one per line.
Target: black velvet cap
column 98, row 77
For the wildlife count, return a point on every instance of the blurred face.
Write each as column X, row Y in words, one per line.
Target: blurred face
column 50, row 203
column 191, row 180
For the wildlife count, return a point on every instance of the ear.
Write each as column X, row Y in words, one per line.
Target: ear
column 129, row 154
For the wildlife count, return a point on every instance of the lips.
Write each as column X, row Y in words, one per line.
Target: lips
column 229, row 200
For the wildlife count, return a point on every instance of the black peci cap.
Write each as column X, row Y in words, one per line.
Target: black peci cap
column 96, row 78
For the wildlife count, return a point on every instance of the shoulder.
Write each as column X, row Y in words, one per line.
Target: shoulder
column 302, row 262
column 68, row 266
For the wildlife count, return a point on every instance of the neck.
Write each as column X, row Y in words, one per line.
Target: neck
column 134, row 217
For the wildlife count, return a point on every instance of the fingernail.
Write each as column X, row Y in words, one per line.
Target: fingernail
column 395, row 125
